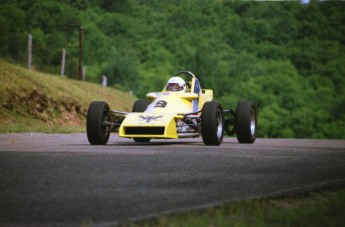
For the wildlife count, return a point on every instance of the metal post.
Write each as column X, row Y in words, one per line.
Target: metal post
column 80, row 52
column 63, row 62
column 104, row 81
column 84, row 72
column 29, row 51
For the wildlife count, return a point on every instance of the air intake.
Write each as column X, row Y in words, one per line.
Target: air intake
column 144, row 130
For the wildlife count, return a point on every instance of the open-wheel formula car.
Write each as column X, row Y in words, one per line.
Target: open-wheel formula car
column 181, row 110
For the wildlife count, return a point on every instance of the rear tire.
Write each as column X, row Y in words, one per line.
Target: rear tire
column 97, row 132
column 212, row 123
column 140, row 106
column 246, row 122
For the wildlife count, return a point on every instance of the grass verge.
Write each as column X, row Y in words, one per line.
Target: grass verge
column 33, row 101
column 318, row 208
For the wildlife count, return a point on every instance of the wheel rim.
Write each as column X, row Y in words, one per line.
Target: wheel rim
column 252, row 122
column 219, row 124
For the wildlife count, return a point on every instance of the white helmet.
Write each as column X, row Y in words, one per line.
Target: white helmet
column 176, row 84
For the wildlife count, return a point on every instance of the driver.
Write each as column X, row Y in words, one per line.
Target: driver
column 176, row 84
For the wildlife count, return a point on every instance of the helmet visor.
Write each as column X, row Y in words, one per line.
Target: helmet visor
column 174, row 87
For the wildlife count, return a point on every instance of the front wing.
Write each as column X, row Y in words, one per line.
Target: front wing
column 149, row 125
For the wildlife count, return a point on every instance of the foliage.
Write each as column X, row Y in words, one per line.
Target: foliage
column 286, row 56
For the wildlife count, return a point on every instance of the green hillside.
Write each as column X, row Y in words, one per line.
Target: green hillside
column 32, row 101
column 286, row 56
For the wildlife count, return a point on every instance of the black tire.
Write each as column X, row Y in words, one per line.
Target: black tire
column 246, row 122
column 141, row 105
column 97, row 133
column 212, row 123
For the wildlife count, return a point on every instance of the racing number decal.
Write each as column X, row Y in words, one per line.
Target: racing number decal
column 161, row 104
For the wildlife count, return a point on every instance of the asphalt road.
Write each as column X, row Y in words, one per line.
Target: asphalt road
column 61, row 179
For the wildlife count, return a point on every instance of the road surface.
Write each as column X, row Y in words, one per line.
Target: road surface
column 61, row 179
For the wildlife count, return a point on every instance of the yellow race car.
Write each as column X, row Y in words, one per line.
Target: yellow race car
column 181, row 110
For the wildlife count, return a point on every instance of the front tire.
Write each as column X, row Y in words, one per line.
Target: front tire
column 97, row 114
column 246, row 122
column 212, row 123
